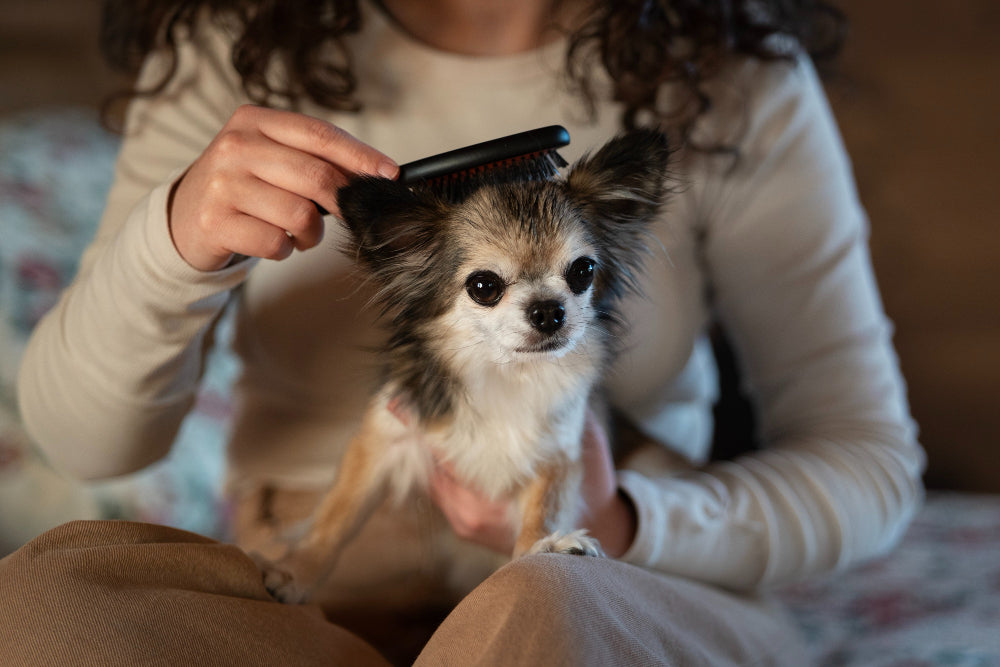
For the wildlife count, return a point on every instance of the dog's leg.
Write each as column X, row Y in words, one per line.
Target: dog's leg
column 549, row 510
column 339, row 516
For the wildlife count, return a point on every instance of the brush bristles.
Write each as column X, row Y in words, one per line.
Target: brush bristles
column 455, row 187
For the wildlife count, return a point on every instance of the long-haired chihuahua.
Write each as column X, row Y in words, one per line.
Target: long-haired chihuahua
column 500, row 311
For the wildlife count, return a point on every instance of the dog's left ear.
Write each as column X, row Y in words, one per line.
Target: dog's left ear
column 620, row 190
column 625, row 180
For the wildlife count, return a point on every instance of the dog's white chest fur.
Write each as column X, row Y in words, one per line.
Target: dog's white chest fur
column 506, row 423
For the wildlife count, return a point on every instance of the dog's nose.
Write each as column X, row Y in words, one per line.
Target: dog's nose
column 546, row 316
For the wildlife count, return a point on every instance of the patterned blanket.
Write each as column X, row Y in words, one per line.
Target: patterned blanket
column 934, row 601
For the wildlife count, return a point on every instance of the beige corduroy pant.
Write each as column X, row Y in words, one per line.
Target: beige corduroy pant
column 125, row 593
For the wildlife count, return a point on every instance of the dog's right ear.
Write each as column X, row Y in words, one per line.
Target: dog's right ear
column 625, row 181
column 621, row 189
column 387, row 219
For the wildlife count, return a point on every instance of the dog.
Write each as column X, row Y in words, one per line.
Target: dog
column 501, row 319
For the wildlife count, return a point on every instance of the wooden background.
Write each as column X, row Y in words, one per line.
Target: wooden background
column 919, row 106
column 917, row 94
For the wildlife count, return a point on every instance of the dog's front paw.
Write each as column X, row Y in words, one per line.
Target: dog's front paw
column 578, row 543
column 279, row 582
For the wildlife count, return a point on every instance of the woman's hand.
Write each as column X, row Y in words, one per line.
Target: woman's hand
column 608, row 515
column 473, row 516
column 252, row 191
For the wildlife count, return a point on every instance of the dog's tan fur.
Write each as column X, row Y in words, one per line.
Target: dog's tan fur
column 548, row 503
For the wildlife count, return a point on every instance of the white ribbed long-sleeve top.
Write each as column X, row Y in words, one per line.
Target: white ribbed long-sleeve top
column 775, row 247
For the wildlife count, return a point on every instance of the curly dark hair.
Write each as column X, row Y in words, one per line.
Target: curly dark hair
column 642, row 44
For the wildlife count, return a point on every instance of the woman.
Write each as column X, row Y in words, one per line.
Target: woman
column 213, row 202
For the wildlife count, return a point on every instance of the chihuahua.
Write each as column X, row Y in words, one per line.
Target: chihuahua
column 500, row 311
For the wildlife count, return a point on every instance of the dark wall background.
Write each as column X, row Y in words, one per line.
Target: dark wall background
column 919, row 106
column 49, row 55
column 917, row 94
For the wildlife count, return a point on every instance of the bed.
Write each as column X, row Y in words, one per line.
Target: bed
column 934, row 601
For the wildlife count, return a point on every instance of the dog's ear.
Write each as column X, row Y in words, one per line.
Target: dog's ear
column 620, row 190
column 387, row 219
column 625, row 180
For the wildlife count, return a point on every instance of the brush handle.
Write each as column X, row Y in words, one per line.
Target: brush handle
column 496, row 150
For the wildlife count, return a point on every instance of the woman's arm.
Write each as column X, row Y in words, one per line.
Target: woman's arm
column 786, row 254
column 111, row 372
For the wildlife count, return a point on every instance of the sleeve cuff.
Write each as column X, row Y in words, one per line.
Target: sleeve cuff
column 650, row 525
column 685, row 529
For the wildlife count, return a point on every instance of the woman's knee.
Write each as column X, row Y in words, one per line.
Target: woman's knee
column 551, row 584
column 603, row 611
column 532, row 610
column 129, row 593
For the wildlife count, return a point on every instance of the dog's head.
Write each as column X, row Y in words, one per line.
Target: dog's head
column 515, row 272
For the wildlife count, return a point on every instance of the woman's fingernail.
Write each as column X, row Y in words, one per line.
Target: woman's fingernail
column 388, row 169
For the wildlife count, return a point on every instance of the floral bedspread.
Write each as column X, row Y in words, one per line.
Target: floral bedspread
column 933, row 601
column 55, row 169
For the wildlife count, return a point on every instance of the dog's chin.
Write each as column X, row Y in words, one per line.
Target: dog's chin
column 556, row 346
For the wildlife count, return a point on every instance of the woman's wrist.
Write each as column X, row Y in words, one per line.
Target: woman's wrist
column 615, row 527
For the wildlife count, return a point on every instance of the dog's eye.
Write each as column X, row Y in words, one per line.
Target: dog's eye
column 580, row 275
column 485, row 287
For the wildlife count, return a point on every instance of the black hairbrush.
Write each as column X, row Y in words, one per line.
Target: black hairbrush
column 525, row 156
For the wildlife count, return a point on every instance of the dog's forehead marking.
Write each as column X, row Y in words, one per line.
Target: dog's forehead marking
column 532, row 229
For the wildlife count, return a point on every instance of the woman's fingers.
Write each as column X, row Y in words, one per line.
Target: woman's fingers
column 272, row 167
column 302, row 174
column 246, row 235
column 472, row 515
column 296, row 216
column 322, row 139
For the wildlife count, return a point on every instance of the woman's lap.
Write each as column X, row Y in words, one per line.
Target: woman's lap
column 122, row 593
column 127, row 593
